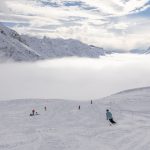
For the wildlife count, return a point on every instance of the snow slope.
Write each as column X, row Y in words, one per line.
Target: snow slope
column 64, row 127
column 12, row 48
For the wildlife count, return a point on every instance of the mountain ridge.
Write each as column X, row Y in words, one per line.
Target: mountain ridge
column 25, row 48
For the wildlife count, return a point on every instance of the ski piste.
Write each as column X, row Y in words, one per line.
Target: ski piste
column 64, row 127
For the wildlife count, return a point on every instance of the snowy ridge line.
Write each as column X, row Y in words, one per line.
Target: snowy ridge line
column 132, row 90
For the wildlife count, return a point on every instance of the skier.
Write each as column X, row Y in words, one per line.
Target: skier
column 36, row 113
column 33, row 111
column 79, row 107
column 91, row 102
column 45, row 108
column 109, row 117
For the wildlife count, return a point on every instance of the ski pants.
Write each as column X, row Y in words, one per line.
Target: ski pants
column 112, row 121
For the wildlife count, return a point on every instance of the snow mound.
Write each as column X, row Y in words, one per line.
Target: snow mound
column 65, row 127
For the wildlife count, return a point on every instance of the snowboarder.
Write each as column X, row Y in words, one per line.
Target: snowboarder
column 109, row 117
column 91, row 102
column 33, row 111
column 79, row 107
column 45, row 108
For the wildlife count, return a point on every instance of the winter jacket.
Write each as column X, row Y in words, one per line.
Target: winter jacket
column 108, row 115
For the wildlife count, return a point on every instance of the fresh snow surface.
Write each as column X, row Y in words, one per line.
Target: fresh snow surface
column 64, row 127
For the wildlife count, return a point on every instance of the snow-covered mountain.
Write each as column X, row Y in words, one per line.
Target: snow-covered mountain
column 141, row 51
column 148, row 51
column 51, row 48
column 24, row 48
column 63, row 127
column 12, row 48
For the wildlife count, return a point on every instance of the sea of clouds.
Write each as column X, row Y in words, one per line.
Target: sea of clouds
column 74, row 78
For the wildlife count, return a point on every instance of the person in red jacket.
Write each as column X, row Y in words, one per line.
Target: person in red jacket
column 33, row 112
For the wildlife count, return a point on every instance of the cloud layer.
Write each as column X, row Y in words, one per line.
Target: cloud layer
column 74, row 78
column 117, row 24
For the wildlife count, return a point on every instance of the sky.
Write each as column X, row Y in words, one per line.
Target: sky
column 111, row 24
column 74, row 78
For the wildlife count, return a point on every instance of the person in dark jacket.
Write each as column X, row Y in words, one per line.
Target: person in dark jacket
column 91, row 102
column 109, row 117
column 36, row 113
column 79, row 107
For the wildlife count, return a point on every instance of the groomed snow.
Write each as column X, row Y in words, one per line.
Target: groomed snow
column 64, row 127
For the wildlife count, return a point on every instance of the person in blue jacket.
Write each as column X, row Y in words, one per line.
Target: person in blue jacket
column 109, row 117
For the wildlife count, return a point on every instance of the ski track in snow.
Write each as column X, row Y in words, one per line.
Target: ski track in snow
column 64, row 127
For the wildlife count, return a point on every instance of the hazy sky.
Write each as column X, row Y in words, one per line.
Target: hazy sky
column 118, row 24
column 74, row 78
